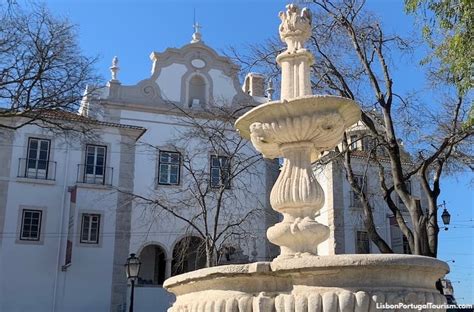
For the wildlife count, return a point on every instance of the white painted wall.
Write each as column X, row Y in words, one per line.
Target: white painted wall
column 169, row 81
column 223, row 87
column 35, row 269
column 163, row 228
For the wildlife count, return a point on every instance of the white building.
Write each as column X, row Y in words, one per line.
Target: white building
column 67, row 219
column 58, row 216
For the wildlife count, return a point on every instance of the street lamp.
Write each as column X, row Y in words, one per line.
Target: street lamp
column 132, row 268
column 445, row 216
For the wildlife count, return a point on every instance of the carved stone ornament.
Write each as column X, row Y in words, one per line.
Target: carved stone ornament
column 295, row 27
column 114, row 69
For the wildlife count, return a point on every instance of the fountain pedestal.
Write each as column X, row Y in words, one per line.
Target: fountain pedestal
column 298, row 128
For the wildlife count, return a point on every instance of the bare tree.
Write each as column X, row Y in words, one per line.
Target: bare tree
column 42, row 72
column 212, row 200
column 353, row 60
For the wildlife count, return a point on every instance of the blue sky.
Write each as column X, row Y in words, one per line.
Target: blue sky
column 132, row 29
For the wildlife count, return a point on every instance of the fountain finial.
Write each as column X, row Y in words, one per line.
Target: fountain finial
column 295, row 27
column 295, row 62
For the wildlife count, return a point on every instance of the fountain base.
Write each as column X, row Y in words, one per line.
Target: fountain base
column 312, row 283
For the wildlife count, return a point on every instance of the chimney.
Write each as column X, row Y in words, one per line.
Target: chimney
column 254, row 84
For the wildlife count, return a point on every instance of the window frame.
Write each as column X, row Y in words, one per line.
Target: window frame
column 353, row 145
column 211, row 167
column 169, row 164
column 88, row 241
column 22, row 225
column 85, row 174
column 46, row 170
column 357, row 242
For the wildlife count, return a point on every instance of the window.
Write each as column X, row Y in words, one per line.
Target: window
column 220, row 171
column 30, row 225
column 94, row 170
column 360, row 181
column 197, row 91
column 353, row 145
column 37, row 158
column 90, row 228
column 362, row 243
column 169, row 167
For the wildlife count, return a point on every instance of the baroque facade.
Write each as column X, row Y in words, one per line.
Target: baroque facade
column 71, row 211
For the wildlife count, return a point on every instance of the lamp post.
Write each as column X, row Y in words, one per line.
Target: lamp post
column 132, row 268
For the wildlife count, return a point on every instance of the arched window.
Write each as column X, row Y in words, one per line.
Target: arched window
column 152, row 270
column 196, row 91
column 189, row 254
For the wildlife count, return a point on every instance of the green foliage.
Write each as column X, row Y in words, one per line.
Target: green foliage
column 448, row 27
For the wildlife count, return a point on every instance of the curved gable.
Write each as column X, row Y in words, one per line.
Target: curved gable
column 174, row 69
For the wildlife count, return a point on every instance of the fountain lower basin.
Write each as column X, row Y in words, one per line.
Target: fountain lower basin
column 313, row 283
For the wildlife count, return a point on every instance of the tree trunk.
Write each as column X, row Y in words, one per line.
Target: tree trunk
column 376, row 238
column 420, row 233
column 210, row 259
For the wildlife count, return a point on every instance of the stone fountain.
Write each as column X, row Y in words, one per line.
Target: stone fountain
column 299, row 127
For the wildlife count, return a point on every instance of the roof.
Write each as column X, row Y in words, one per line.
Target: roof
column 70, row 116
column 44, row 114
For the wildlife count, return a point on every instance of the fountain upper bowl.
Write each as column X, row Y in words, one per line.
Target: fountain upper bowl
column 269, row 112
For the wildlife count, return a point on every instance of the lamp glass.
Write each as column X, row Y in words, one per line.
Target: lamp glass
column 132, row 267
column 446, row 217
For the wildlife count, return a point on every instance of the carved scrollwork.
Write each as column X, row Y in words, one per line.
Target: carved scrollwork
column 149, row 91
column 324, row 130
column 313, row 301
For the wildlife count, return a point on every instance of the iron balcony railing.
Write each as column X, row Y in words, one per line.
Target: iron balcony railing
column 36, row 169
column 93, row 174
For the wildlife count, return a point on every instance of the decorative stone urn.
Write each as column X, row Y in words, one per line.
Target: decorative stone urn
column 299, row 128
